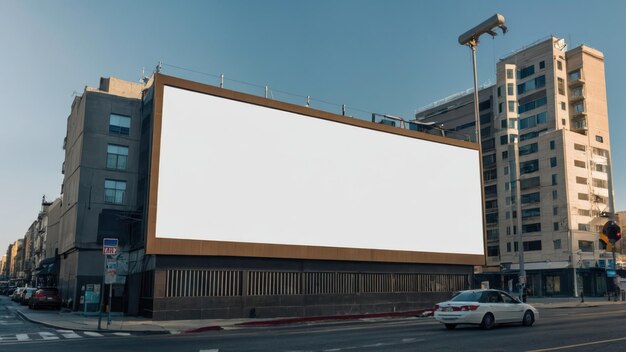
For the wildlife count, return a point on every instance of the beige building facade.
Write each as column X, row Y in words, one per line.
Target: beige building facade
column 548, row 114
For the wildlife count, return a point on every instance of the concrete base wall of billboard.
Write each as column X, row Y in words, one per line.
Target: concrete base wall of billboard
column 188, row 287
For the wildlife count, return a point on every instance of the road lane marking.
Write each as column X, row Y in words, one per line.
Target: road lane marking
column 48, row 335
column 22, row 337
column 69, row 334
column 579, row 345
column 121, row 333
column 213, row 350
column 91, row 333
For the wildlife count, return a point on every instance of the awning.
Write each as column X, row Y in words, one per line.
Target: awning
column 46, row 267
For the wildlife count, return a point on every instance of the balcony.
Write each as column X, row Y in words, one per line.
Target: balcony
column 579, row 124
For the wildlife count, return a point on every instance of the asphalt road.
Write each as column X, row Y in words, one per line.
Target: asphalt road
column 15, row 331
column 574, row 329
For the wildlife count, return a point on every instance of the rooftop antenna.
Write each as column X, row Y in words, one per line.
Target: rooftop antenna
column 158, row 68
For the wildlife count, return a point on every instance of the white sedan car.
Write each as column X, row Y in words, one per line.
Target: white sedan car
column 485, row 308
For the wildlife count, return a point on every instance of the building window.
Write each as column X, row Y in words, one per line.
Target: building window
column 506, row 170
column 117, row 156
column 506, row 186
column 557, row 244
column 576, row 92
column 585, row 246
column 580, row 163
column 529, row 183
column 504, row 139
column 555, row 195
column 574, row 75
column 584, row 212
column 532, row 246
column 533, row 121
column 554, row 179
column 114, row 191
column 511, row 106
column 555, row 210
column 542, row 65
column 509, row 89
column 489, row 159
column 583, row 196
column 583, row 227
column 530, row 198
column 553, row 161
column 561, row 85
column 529, row 166
column 531, row 228
column 499, row 108
column 505, row 155
column 526, row 71
column 532, row 105
column 581, row 180
column 509, row 73
column 580, row 147
column 555, row 226
column 552, row 145
column 563, row 106
column 601, row 152
column 563, row 122
column 530, row 85
column 119, row 124
column 602, row 168
column 528, row 149
column 600, row 183
column 508, row 247
column 599, row 139
column 579, row 107
column 559, row 65
column 530, row 213
column 493, row 251
column 499, row 91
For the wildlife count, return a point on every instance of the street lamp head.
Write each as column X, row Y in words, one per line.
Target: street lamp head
column 488, row 26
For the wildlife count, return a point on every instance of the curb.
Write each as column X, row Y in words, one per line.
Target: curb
column 142, row 332
column 419, row 313
column 202, row 329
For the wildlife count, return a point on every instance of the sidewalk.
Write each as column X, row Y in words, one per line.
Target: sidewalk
column 69, row 320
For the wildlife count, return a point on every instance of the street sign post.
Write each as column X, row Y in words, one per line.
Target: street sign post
column 109, row 250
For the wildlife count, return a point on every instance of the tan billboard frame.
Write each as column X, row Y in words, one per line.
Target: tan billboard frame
column 170, row 246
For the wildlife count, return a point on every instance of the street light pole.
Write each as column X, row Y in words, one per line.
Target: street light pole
column 470, row 38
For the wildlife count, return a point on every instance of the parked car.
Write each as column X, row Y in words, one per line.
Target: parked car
column 25, row 295
column 16, row 294
column 9, row 291
column 45, row 297
column 485, row 308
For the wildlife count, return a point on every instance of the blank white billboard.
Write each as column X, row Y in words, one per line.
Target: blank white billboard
column 239, row 172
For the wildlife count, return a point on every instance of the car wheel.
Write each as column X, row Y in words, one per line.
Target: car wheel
column 529, row 318
column 450, row 326
column 488, row 322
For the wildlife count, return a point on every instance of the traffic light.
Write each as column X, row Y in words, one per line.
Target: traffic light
column 605, row 243
column 612, row 231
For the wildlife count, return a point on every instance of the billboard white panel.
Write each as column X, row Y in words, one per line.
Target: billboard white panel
column 239, row 172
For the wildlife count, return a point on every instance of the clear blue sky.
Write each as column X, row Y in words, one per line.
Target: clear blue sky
column 379, row 56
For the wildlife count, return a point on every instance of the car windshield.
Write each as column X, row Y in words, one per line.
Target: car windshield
column 467, row 296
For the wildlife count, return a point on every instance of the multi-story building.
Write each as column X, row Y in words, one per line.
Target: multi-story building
column 547, row 114
column 99, row 184
column 16, row 270
column 7, row 265
column 3, row 266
